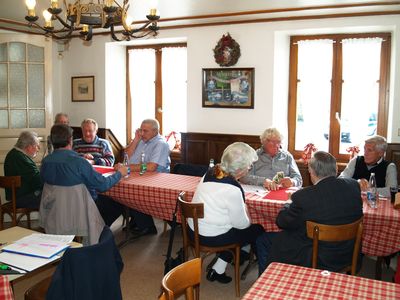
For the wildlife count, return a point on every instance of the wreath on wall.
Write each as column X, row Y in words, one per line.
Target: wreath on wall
column 227, row 51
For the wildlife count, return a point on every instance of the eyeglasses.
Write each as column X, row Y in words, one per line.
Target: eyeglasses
column 274, row 142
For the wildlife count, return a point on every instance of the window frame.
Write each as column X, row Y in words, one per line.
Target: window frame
column 158, row 84
column 336, row 90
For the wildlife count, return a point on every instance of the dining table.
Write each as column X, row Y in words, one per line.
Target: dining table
column 156, row 194
column 284, row 281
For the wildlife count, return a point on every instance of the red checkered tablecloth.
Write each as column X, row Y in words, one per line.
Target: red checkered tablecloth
column 263, row 211
column 154, row 193
column 282, row 281
column 381, row 234
column 5, row 289
column 381, row 225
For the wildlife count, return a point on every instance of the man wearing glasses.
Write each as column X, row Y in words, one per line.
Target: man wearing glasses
column 19, row 162
column 275, row 167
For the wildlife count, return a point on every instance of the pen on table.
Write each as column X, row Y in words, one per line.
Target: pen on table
column 4, row 267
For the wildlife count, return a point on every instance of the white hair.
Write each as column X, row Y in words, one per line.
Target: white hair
column 237, row 157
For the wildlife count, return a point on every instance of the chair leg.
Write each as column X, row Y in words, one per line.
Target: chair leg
column 237, row 271
column 1, row 220
column 378, row 267
column 249, row 265
column 28, row 218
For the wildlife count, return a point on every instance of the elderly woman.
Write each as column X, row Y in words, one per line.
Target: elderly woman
column 272, row 162
column 225, row 215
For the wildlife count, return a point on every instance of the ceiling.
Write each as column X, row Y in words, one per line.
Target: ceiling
column 179, row 13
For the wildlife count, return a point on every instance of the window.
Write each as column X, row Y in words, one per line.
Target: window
column 157, row 83
column 22, row 98
column 337, row 91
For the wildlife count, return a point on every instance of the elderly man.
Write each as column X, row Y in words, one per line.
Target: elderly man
column 19, row 162
column 60, row 118
column 331, row 201
column 97, row 151
column 156, row 151
column 65, row 167
column 272, row 159
column 373, row 161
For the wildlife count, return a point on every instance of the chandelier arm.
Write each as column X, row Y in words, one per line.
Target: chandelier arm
column 55, row 35
column 113, row 35
column 144, row 26
column 65, row 24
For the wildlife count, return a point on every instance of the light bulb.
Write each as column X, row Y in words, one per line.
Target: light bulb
column 108, row 3
column 54, row 3
column 30, row 4
column 47, row 18
column 128, row 21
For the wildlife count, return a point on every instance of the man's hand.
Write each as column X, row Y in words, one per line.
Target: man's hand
column 122, row 169
column 364, row 184
column 286, row 182
column 88, row 156
column 270, row 185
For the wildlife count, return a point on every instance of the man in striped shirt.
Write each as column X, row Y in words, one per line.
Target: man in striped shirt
column 97, row 151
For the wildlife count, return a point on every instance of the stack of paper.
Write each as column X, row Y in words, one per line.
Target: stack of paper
column 34, row 251
column 39, row 245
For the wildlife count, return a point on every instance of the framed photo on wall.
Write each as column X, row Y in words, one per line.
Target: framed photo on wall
column 228, row 88
column 82, row 88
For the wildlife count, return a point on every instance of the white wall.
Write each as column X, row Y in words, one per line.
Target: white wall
column 264, row 46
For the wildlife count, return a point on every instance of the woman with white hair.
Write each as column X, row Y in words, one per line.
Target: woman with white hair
column 226, row 220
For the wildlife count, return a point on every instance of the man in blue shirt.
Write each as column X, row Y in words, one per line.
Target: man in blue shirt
column 65, row 167
column 156, row 151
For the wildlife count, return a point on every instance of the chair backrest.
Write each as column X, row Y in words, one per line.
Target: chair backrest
column 336, row 233
column 182, row 279
column 91, row 272
column 11, row 182
column 70, row 210
column 194, row 211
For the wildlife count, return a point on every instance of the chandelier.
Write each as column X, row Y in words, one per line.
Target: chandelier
column 84, row 15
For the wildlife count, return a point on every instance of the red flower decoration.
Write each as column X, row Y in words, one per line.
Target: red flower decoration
column 308, row 151
column 353, row 151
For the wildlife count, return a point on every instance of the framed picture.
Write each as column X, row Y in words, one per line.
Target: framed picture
column 228, row 88
column 82, row 88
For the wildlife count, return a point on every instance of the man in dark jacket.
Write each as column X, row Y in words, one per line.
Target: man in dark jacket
column 19, row 162
column 331, row 201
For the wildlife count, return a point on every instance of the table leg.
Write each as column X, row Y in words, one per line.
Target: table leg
column 378, row 267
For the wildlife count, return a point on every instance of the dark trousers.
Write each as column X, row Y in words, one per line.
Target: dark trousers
column 242, row 236
column 141, row 220
column 109, row 209
column 264, row 244
column 31, row 200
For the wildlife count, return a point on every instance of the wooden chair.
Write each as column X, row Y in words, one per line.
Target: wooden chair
column 336, row 233
column 10, row 207
column 182, row 279
column 196, row 211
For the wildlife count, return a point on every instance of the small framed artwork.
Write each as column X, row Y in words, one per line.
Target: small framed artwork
column 228, row 88
column 82, row 88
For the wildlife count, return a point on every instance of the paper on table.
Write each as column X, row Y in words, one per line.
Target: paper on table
column 40, row 245
column 254, row 189
column 24, row 262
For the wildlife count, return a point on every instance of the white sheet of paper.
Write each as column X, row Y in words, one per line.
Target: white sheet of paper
column 24, row 262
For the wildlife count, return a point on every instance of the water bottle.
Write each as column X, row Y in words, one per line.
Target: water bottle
column 211, row 164
column 143, row 166
column 126, row 163
column 372, row 194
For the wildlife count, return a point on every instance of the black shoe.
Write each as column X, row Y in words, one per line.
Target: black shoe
column 131, row 225
column 145, row 231
column 212, row 275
